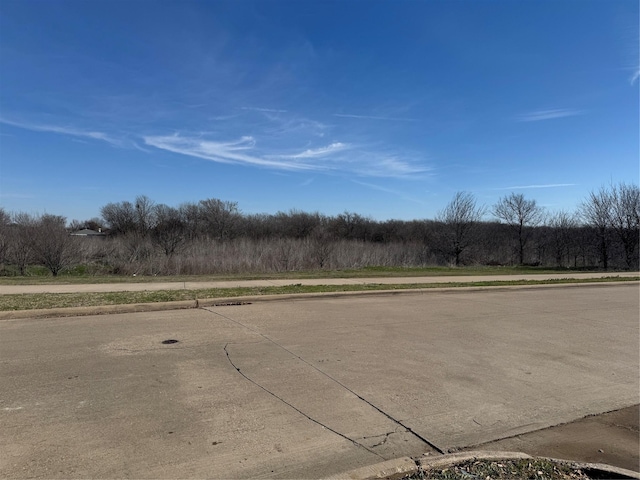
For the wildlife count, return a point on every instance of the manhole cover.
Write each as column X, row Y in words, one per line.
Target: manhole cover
column 169, row 342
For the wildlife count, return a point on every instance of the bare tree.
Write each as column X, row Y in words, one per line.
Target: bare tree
column 321, row 246
column 120, row 217
column 144, row 214
column 596, row 211
column 20, row 250
column 52, row 244
column 459, row 219
column 190, row 213
column 296, row 223
column 350, row 226
column 625, row 219
column 5, row 223
column 220, row 217
column 169, row 231
column 563, row 226
column 126, row 217
column 520, row 215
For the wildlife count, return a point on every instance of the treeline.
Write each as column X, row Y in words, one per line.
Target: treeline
column 214, row 236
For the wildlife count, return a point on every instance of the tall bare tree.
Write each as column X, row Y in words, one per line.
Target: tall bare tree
column 169, row 231
column 625, row 219
column 20, row 250
column 563, row 226
column 220, row 217
column 459, row 219
column 144, row 214
column 596, row 211
column 190, row 213
column 52, row 244
column 520, row 215
column 5, row 223
column 350, row 226
column 120, row 217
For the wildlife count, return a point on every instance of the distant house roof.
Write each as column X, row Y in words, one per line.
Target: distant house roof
column 87, row 232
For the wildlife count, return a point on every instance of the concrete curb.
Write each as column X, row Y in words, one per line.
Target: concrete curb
column 402, row 467
column 390, row 470
column 210, row 302
column 96, row 310
column 459, row 457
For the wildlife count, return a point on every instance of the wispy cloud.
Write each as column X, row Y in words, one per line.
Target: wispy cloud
column 63, row 130
column 222, row 152
column 277, row 150
column 388, row 190
column 390, row 165
column 635, row 76
column 374, row 117
column 336, row 157
column 308, row 181
column 223, row 118
column 548, row 185
column 320, row 152
column 269, row 110
column 288, row 126
column 539, row 115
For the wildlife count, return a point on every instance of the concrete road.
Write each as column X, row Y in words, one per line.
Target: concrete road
column 153, row 286
column 308, row 388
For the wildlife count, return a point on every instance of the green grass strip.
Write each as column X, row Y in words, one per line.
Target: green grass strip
column 57, row 300
column 366, row 272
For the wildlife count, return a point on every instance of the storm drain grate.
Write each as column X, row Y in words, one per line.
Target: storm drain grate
column 230, row 304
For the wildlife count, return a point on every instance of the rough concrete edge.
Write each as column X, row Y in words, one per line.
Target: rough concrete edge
column 390, row 470
column 459, row 457
column 209, row 302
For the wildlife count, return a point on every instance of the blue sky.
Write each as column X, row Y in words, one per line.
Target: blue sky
column 384, row 108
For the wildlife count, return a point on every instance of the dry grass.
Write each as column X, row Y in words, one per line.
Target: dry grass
column 534, row 468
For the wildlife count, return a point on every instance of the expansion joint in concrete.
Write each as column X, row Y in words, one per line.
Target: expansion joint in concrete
column 322, row 372
column 356, row 443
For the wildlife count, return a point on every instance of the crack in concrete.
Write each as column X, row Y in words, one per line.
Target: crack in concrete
column 360, row 397
column 625, row 427
column 385, row 437
column 356, row 443
column 384, row 440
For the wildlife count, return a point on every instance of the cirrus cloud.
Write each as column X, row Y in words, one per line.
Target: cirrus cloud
column 321, row 152
column 539, row 115
column 222, row 152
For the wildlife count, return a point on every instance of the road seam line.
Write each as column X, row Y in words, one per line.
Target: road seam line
column 378, row 409
column 295, row 408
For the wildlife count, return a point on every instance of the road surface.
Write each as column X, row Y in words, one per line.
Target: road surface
column 308, row 388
